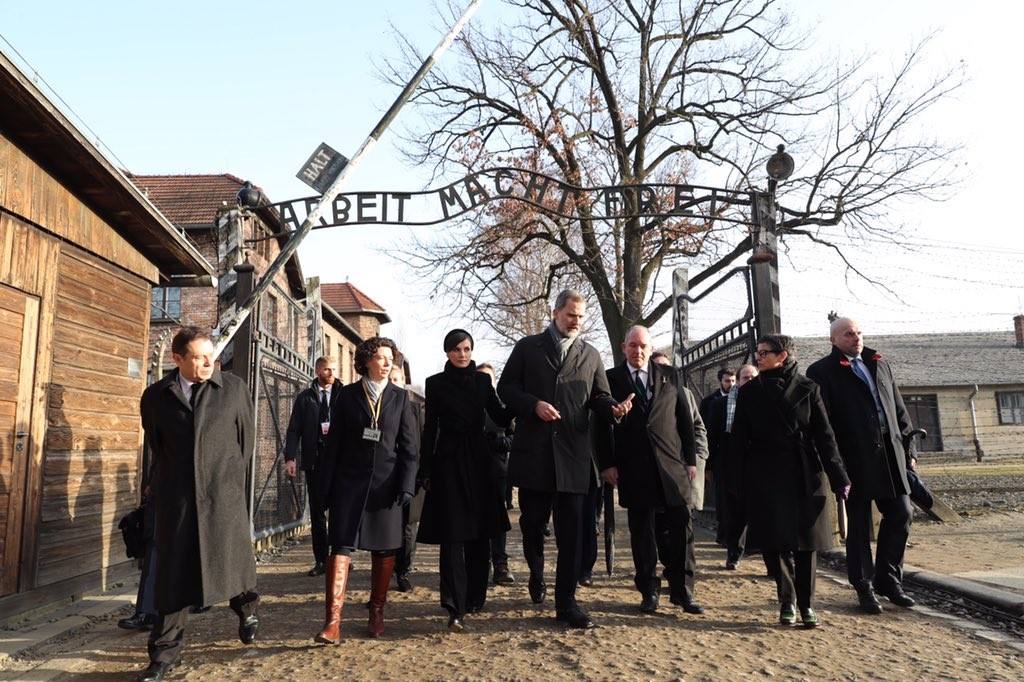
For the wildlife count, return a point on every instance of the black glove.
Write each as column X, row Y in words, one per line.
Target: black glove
column 403, row 499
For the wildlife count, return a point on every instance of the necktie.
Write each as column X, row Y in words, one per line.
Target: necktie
column 641, row 388
column 194, row 397
column 861, row 370
column 325, row 408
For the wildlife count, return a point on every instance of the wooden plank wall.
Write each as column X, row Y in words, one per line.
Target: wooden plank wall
column 91, row 470
column 33, row 194
column 27, row 260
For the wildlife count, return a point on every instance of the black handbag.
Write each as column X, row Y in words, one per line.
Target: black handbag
column 133, row 530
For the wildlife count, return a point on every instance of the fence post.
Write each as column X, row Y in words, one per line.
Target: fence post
column 764, row 266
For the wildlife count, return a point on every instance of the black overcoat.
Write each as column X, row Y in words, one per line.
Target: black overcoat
column 851, row 410
column 554, row 456
column 782, row 441
column 653, row 444
column 365, row 478
column 464, row 501
column 199, row 469
column 304, row 425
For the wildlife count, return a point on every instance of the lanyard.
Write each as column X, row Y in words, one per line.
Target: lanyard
column 374, row 407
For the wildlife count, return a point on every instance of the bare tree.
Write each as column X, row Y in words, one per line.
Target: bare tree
column 629, row 92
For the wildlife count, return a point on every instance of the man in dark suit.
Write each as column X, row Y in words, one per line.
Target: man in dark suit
column 199, row 425
column 651, row 455
column 870, row 423
column 306, row 438
column 551, row 382
column 712, row 411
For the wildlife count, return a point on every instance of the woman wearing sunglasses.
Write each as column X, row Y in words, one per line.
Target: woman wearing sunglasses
column 782, row 440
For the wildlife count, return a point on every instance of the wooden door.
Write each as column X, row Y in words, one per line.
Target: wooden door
column 19, row 322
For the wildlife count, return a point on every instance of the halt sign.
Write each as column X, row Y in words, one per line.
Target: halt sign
column 322, row 168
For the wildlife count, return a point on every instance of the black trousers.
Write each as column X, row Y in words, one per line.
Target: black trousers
column 591, row 505
column 795, row 574
column 731, row 514
column 893, row 531
column 317, row 515
column 464, row 567
column 167, row 637
column 666, row 534
column 499, row 552
column 567, row 508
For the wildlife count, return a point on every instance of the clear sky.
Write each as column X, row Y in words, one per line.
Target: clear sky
column 204, row 87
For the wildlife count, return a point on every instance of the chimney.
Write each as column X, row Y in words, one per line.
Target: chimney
column 1018, row 329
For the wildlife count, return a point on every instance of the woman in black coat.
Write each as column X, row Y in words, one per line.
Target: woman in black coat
column 465, row 503
column 369, row 474
column 785, row 447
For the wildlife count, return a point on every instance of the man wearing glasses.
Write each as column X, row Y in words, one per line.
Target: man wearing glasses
column 870, row 422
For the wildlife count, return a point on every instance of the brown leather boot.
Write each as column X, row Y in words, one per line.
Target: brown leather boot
column 380, row 579
column 337, row 583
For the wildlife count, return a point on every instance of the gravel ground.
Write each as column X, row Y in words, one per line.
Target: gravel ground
column 513, row 639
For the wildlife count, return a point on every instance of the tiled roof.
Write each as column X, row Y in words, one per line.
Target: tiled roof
column 347, row 298
column 944, row 359
column 189, row 199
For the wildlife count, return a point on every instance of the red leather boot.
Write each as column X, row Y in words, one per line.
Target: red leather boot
column 380, row 579
column 337, row 583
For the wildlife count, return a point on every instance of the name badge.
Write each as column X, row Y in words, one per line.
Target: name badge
column 325, row 427
column 371, row 434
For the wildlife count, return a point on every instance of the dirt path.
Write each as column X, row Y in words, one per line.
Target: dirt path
column 513, row 639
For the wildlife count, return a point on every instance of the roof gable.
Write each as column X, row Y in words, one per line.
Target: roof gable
column 345, row 297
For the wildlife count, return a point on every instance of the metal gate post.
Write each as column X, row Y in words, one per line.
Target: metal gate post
column 680, row 314
column 764, row 266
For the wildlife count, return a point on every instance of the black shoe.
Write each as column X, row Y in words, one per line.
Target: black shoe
column 538, row 590
column 502, row 576
column 139, row 621
column 575, row 618
column 402, row 580
column 318, row 569
column 455, row 624
column 649, row 603
column 897, row 596
column 156, row 671
column 809, row 618
column 199, row 609
column 867, row 601
column 587, row 581
column 688, row 605
column 247, row 629
column 787, row 614
column 547, row 530
column 474, row 608
column 730, row 565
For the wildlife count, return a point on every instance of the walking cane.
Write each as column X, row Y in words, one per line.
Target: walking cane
column 609, row 526
column 841, row 513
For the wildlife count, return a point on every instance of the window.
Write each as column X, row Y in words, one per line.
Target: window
column 924, row 414
column 165, row 304
column 270, row 316
column 1011, row 407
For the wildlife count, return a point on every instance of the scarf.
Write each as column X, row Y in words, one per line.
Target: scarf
column 562, row 343
column 374, row 388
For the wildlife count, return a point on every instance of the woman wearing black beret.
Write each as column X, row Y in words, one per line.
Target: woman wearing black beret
column 465, row 506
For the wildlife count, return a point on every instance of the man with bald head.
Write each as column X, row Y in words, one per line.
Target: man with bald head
column 870, row 422
column 651, row 455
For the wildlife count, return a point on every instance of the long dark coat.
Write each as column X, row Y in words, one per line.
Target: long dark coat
column 465, row 501
column 784, row 445
column 554, row 456
column 364, row 477
column 304, row 431
column 851, row 410
column 199, row 469
column 652, row 446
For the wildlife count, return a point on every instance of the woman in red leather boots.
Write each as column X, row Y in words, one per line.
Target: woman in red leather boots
column 371, row 468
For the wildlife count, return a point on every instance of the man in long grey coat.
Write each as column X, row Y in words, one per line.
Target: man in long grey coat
column 199, row 427
column 551, row 382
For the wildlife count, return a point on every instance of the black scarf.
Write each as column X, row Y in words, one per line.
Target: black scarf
column 462, row 376
column 777, row 380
